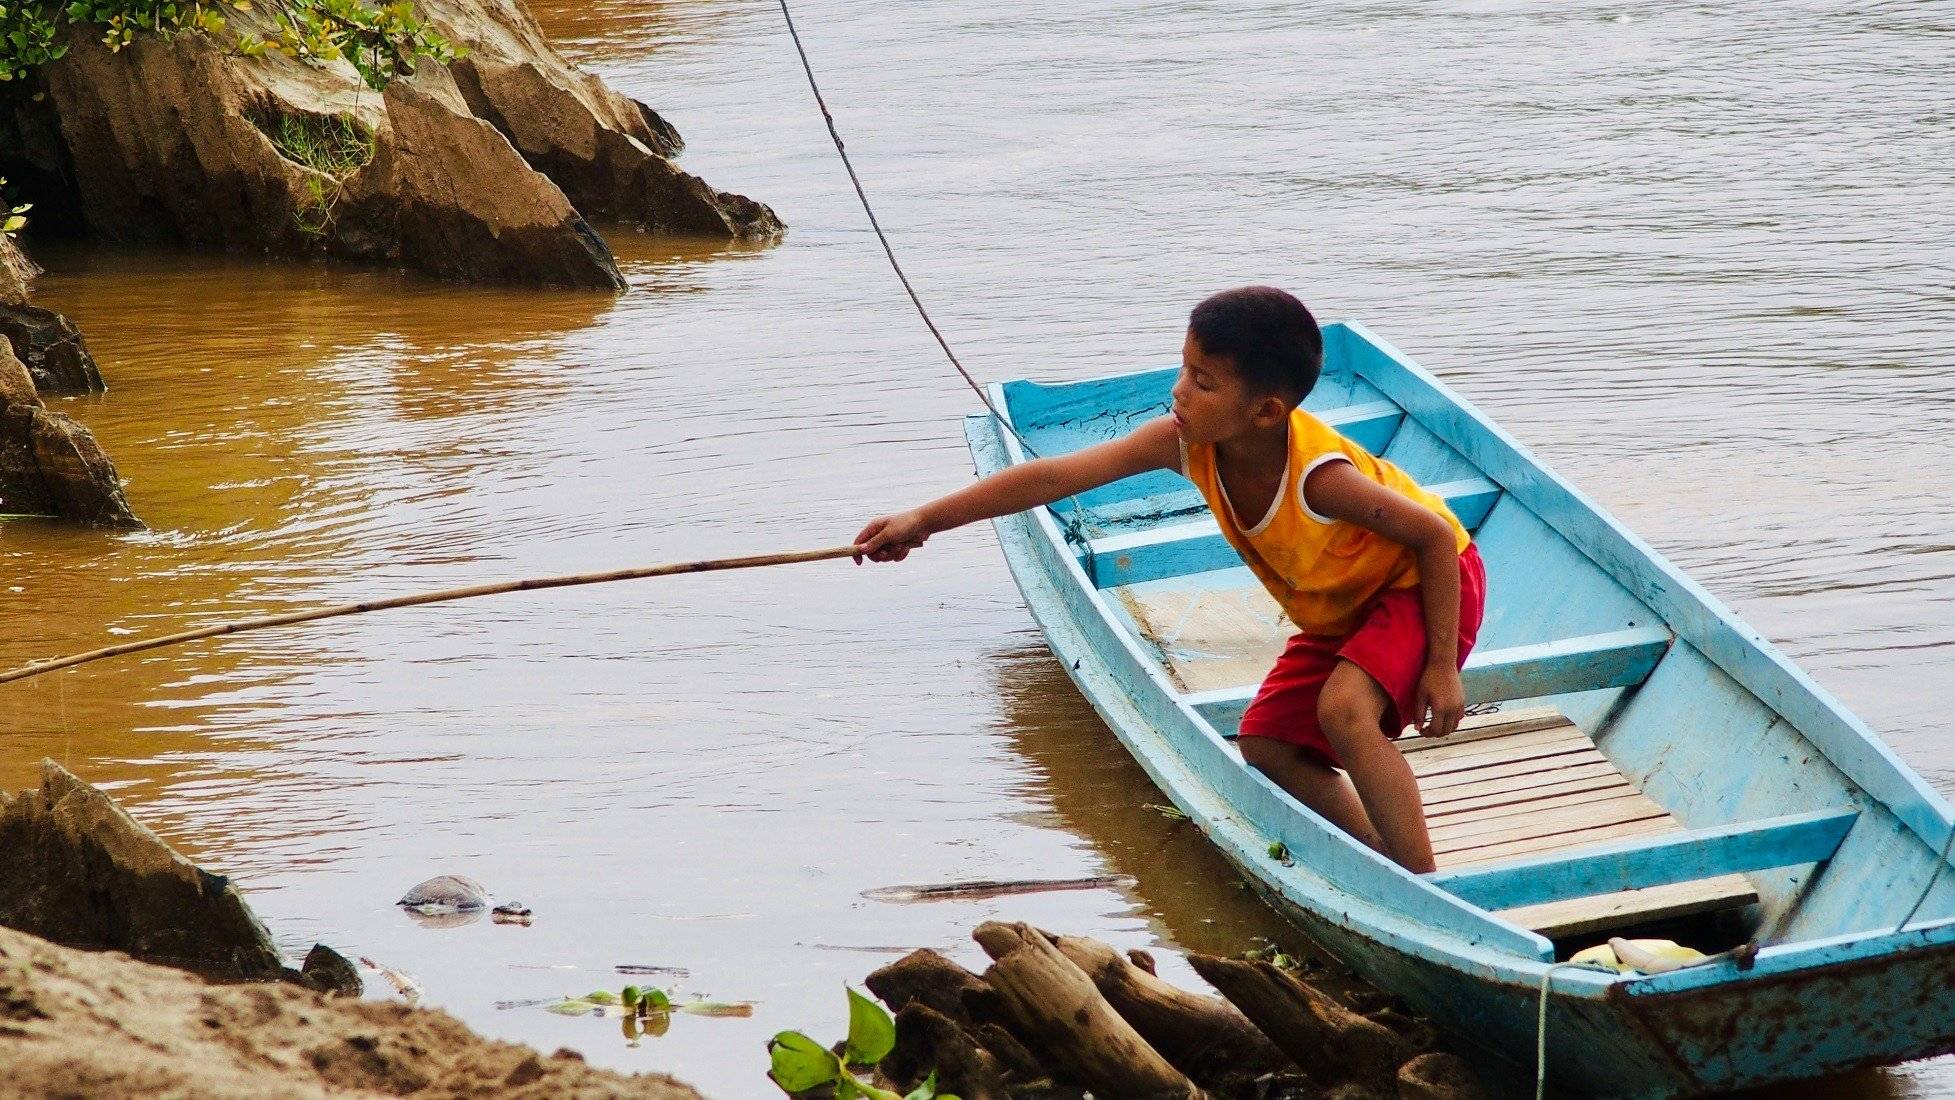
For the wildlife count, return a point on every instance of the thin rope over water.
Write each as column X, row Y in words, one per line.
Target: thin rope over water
column 530, row 584
column 1070, row 520
column 834, row 135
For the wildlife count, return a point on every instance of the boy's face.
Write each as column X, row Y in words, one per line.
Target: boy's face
column 1213, row 403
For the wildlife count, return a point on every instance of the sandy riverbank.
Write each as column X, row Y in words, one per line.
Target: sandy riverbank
column 99, row 1024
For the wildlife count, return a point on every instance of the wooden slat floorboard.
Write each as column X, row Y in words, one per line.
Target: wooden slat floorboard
column 1544, row 791
column 1522, row 783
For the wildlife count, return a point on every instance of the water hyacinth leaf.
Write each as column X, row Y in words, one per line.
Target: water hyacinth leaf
column 629, row 998
column 576, row 1007
column 872, row 1033
column 716, row 1008
column 800, row 1063
column 601, row 997
column 655, row 999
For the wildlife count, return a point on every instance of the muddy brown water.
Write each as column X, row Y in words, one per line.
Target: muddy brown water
column 1698, row 257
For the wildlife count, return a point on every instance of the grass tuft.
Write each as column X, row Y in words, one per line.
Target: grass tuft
column 336, row 145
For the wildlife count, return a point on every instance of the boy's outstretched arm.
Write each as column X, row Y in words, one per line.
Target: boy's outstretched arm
column 1155, row 445
column 1338, row 490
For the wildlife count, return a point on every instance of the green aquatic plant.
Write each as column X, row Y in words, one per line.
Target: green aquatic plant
column 800, row 1063
column 637, row 1003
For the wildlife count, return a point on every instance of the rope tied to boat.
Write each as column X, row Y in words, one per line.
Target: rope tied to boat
column 1072, row 520
column 1941, row 864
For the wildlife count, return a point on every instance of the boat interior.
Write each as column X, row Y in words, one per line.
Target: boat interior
column 1612, row 776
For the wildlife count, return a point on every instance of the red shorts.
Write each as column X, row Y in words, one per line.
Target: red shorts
column 1389, row 645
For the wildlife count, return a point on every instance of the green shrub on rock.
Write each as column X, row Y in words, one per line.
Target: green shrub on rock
column 27, row 37
column 381, row 40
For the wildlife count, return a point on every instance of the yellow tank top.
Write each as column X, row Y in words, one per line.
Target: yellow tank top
column 1322, row 571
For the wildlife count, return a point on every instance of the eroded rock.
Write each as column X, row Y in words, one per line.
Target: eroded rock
column 45, row 341
column 485, row 170
column 76, row 869
column 328, row 971
column 609, row 153
column 49, row 464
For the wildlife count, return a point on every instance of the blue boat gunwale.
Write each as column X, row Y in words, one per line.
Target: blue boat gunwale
column 1696, row 617
column 1686, row 607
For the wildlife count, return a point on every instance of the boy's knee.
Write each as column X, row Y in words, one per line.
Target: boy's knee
column 1348, row 714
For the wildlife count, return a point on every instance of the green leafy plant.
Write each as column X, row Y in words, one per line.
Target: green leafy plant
column 27, row 37
column 800, row 1063
column 381, row 40
column 122, row 20
column 12, row 219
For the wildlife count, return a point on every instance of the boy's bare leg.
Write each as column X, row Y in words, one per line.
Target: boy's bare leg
column 1311, row 783
column 1350, row 709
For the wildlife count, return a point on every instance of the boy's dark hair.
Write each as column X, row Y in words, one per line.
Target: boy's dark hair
column 1270, row 335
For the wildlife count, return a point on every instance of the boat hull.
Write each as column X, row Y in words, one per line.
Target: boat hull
column 1801, row 1015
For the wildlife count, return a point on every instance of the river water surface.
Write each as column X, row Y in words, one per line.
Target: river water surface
column 1699, row 256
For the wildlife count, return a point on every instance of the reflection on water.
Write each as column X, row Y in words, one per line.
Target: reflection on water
column 1697, row 257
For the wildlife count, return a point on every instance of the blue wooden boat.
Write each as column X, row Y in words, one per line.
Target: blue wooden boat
column 1653, row 763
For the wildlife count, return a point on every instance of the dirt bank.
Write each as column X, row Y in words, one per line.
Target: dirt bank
column 99, row 1024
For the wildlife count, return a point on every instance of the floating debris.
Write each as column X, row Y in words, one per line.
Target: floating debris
column 646, row 968
column 404, row 984
column 510, row 912
column 987, row 888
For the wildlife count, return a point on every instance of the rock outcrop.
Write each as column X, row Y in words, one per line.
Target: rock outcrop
column 610, row 154
column 483, row 170
column 49, row 464
column 43, row 339
column 76, row 869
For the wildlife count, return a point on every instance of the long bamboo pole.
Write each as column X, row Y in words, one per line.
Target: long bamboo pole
column 530, row 584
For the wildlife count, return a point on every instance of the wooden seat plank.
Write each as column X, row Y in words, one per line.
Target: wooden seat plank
column 1608, row 912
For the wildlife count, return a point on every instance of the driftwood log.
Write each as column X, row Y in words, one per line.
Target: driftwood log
column 1205, row 1038
column 1045, row 994
column 1329, row 1041
column 1055, row 1015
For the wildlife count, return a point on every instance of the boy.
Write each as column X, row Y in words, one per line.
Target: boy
column 1380, row 578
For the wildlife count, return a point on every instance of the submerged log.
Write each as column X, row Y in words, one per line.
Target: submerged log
column 1045, row 995
column 1329, row 1041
